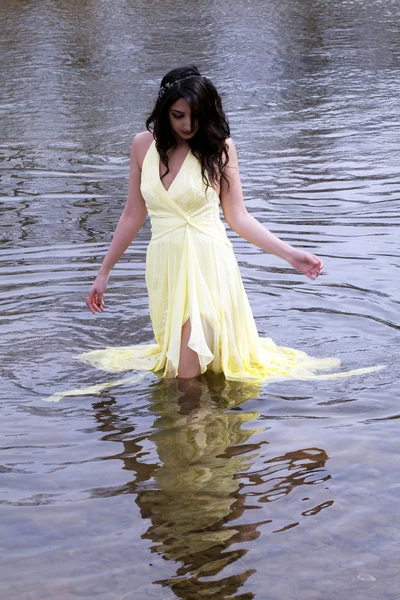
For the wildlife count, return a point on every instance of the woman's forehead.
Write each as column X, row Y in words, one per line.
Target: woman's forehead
column 180, row 105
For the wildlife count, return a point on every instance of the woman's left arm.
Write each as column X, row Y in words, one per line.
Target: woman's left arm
column 250, row 229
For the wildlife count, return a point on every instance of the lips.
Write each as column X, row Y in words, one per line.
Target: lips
column 189, row 132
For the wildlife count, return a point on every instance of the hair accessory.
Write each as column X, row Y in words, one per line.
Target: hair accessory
column 165, row 88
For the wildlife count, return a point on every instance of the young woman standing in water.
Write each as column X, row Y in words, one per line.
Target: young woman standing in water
column 181, row 171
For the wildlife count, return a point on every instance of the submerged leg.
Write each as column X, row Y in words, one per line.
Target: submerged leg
column 189, row 365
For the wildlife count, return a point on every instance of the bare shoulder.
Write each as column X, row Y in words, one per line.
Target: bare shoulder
column 232, row 153
column 140, row 145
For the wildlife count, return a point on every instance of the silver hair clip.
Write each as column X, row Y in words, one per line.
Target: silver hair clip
column 165, row 88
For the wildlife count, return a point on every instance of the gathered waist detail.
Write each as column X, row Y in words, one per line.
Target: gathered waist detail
column 167, row 225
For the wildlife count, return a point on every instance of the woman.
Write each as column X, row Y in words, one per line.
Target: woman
column 181, row 170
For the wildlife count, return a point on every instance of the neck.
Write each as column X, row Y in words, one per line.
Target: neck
column 181, row 143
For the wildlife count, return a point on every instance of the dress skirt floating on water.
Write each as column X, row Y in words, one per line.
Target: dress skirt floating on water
column 192, row 274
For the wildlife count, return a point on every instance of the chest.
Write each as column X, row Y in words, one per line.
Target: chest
column 176, row 162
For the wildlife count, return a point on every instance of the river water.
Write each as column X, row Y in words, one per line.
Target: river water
column 148, row 490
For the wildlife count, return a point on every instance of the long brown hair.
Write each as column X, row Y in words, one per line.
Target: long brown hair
column 208, row 145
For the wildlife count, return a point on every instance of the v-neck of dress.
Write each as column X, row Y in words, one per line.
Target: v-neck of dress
column 176, row 176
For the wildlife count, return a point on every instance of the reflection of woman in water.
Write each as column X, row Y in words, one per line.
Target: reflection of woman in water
column 193, row 494
column 195, row 488
column 181, row 171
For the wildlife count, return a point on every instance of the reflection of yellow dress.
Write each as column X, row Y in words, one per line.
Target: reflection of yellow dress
column 192, row 273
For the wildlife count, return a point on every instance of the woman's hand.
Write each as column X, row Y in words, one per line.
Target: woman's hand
column 94, row 300
column 307, row 263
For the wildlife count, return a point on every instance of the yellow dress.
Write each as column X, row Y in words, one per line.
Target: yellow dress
column 192, row 273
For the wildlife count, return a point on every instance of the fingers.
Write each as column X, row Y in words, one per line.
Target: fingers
column 93, row 307
column 95, row 302
column 317, row 268
column 315, row 272
column 310, row 265
column 312, row 275
column 318, row 263
column 99, row 301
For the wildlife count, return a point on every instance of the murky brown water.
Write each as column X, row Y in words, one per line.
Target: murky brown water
column 290, row 492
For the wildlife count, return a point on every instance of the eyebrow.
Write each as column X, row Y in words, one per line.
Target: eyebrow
column 181, row 112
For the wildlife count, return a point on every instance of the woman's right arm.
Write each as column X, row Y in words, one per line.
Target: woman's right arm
column 130, row 222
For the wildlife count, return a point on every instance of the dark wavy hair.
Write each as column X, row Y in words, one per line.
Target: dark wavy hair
column 209, row 142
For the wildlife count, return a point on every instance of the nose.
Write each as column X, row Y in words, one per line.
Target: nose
column 187, row 125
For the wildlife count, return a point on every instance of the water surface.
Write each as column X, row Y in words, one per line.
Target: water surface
column 153, row 490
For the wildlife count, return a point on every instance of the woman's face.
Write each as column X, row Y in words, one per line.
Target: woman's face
column 180, row 118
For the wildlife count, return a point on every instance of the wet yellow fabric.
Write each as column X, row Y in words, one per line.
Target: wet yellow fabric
column 192, row 273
